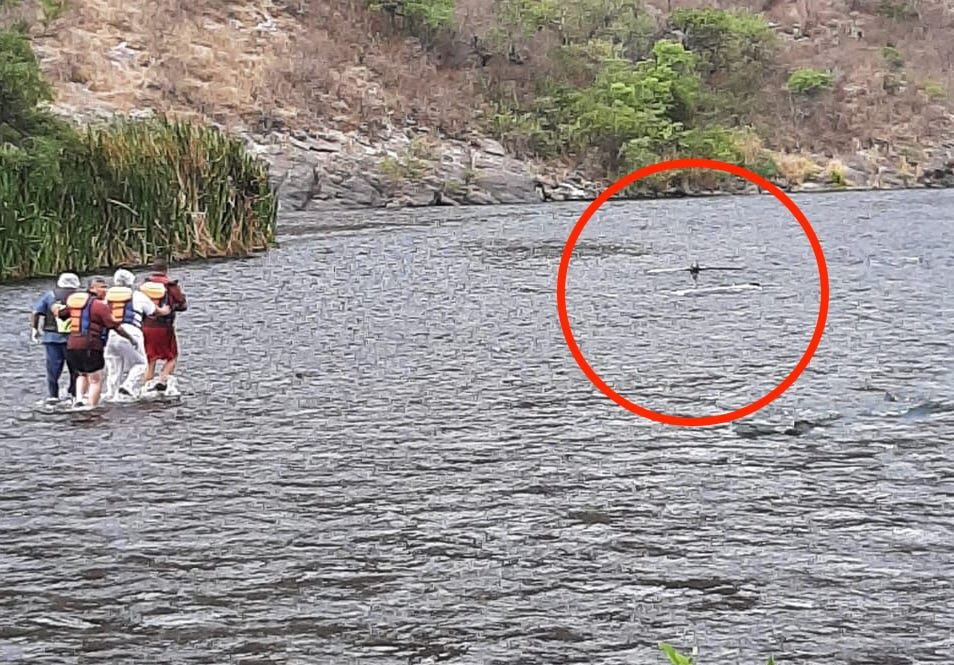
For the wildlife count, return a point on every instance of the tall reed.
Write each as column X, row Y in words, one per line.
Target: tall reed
column 127, row 192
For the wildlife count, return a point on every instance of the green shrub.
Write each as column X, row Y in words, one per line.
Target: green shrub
column 51, row 10
column 765, row 166
column 733, row 146
column 734, row 50
column 21, row 88
column 893, row 57
column 579, row 64
column 409, row 166
column 120, row 194
column 808, row 81
column 616, row 96
column 835, row 173
column 713, row 143
column 421, row 18
column 620, row 22
column 632, row 115
column 933, row 90
column 536, row 131
column 648, row 102
column 724, row 39
column 528, row 16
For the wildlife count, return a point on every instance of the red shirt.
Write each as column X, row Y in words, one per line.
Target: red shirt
column 100, row 318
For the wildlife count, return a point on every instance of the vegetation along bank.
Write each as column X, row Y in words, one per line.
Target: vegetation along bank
column 355, row 103
column 416, row 102
column 119, row 194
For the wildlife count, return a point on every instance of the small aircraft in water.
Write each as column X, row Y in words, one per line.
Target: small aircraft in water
column 693, row 270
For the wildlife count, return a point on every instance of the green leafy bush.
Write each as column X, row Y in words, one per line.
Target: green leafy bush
column 620, row 22
column 649, row 103
column 718, row 143
column 933, row 90
column 808, row 81
column 52, row 10
column 411, row 165
column 421, row 18
column 724, row 39
column 617, row 97
column 22, row 88
column 893, row 57
column 734, row 49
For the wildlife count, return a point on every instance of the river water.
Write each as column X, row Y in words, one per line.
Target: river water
column 385, row 452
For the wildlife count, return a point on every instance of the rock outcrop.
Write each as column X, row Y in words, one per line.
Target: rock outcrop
column 331, row 169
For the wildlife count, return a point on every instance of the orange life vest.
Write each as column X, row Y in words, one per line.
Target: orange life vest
column 159, row 294
column 120, row 299
column 79, row 305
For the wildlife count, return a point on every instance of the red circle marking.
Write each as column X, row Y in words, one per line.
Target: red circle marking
column 720, row 418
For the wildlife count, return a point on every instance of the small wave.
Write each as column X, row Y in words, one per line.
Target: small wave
column 928, row 408
column 731, row 288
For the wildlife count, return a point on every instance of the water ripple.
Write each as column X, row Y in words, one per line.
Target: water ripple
column 385, row 451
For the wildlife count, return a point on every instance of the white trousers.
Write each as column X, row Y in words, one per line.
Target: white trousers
column 124, row 360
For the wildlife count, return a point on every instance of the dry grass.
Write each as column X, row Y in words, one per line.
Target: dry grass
column 860, row 113
column 795, row 169
column 307, row 63
column 835, row 172
column 256, row 63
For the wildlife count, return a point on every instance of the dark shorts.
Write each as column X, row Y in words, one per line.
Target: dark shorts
column 85, row 361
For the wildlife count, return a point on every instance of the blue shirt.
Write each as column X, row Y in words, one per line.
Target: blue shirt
column 43, row 307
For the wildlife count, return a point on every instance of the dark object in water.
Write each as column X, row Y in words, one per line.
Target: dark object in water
column 694, row 270
column 800, row 427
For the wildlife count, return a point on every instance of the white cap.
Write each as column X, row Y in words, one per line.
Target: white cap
column 123, row 278
column 68, row 280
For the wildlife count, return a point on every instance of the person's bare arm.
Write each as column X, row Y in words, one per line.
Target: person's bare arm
column 116, row 327
column 35, row 327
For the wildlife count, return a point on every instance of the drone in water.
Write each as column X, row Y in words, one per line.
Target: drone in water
column 693, row 270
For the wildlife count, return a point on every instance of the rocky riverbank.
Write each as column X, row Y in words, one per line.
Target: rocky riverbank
column 347, row 93
column 330, row 169
column 327, row 169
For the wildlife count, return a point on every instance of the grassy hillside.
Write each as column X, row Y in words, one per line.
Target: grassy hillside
column 608, row 84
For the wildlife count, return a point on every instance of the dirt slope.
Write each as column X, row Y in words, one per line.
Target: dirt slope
column 292, row 65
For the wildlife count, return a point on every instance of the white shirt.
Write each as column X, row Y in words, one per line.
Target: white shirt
column 142, row 306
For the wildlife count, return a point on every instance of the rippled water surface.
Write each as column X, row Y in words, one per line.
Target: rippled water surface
column 385, row 452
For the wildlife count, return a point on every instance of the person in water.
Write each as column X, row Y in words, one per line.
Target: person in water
column 54, row 334
column 126, row 358
column 91, row 319
column 159, row 331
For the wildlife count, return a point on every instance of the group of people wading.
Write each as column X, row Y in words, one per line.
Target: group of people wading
column 121, row 329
